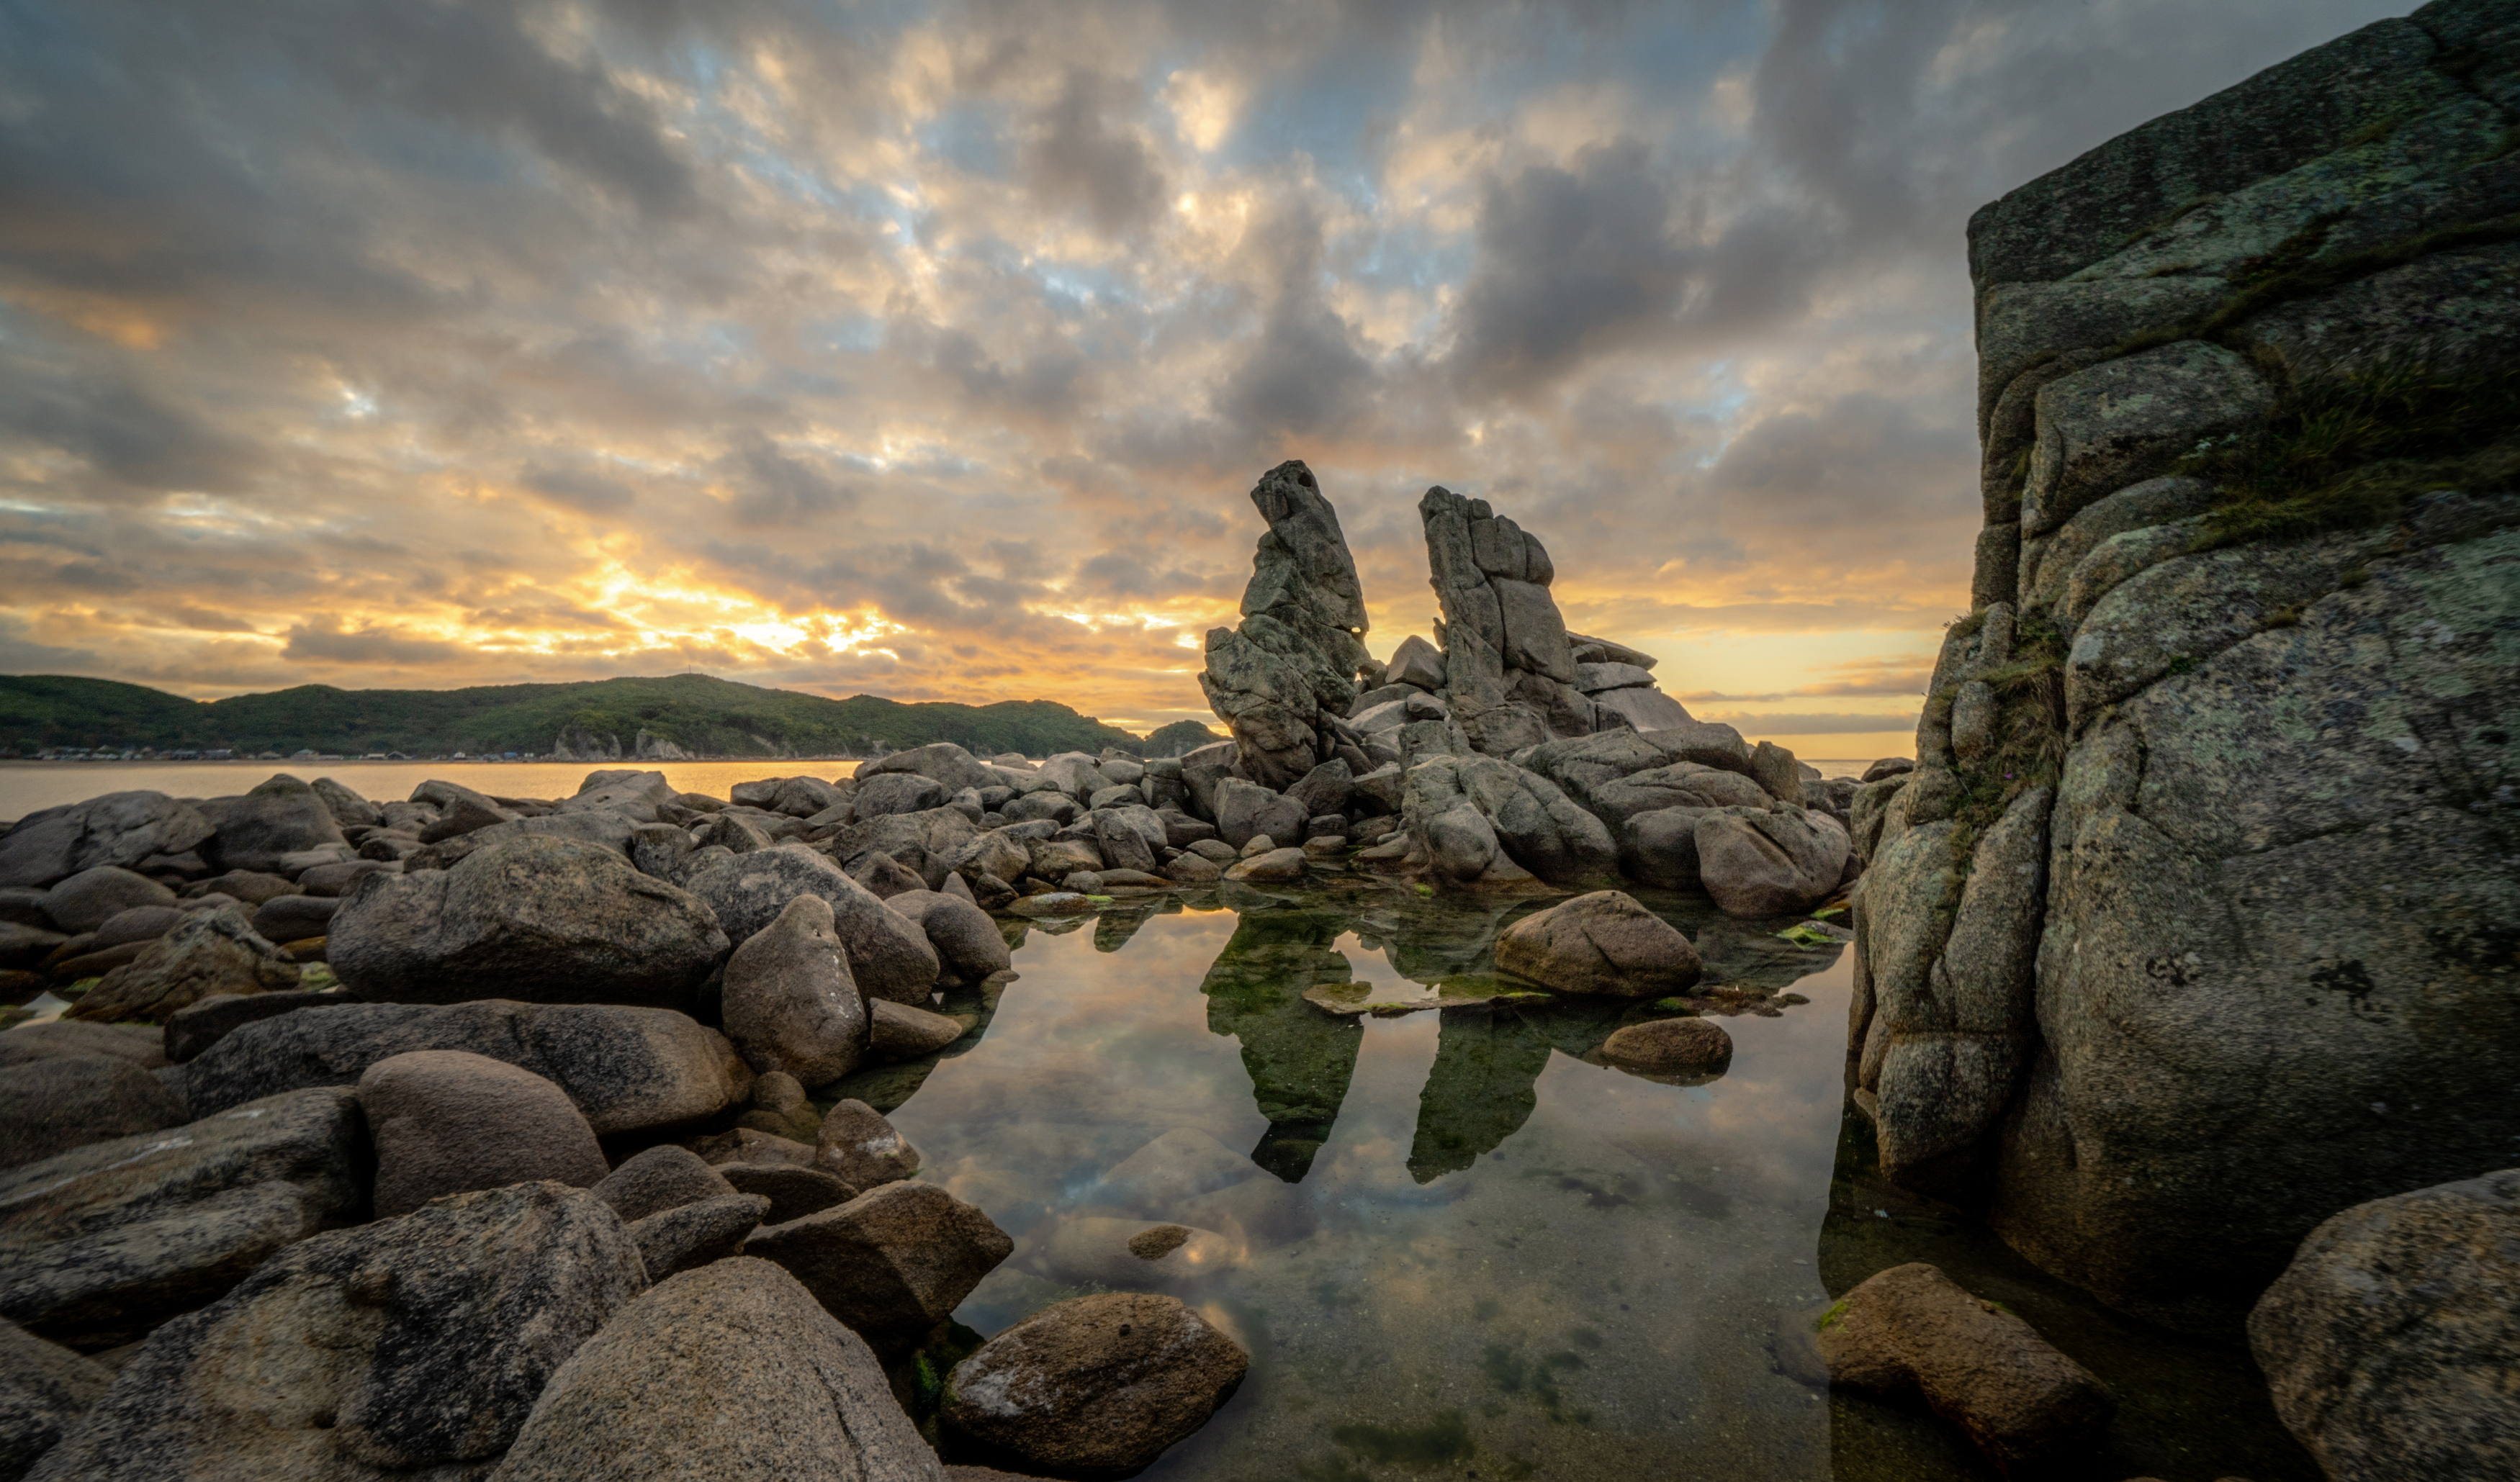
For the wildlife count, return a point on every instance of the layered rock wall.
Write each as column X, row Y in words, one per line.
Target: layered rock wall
column 2192, row 925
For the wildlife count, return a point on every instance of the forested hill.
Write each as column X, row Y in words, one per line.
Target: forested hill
column 686, row 714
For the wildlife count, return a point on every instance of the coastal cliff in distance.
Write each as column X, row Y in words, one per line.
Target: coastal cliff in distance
column 683, row 717
column 2193, row 926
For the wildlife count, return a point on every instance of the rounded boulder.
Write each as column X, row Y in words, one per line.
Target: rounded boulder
column 1601, row 943
column 1095, row 1386
column 1672, row 1047
column 790, row 1003
column 447, row 1121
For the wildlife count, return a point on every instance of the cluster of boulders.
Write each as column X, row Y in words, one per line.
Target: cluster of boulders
column 518, row 1119
column 1510, row 753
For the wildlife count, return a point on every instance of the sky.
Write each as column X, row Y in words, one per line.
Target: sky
column 930, row 349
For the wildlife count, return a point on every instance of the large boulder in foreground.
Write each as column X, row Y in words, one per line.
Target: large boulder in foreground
column 259, row 830
column 1603, row 943
column 542, row 920
column 1911, row 1329
column 209, row 954
column 790, row 1004
column 102, row 1244
column 727, row 1373
column 892, row 1263
column 421, row 1342
column 625, row 1070
column 44, row 1389
column 1095, row 1386
column 118, row 829
column 2389, row 1344
column 889, row 957
column 445, row 1121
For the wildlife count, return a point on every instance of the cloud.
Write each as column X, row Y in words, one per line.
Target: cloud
column 773, row 487
column 582, row 489
column 1080, row 161
column 311, row 644
column 932, row 349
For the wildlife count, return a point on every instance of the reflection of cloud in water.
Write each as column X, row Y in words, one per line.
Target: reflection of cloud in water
column 1473, row 1208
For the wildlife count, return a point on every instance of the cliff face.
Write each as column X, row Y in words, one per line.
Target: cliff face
column 2195, row 923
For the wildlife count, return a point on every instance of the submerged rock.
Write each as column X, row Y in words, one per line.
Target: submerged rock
column 1671, row 1044
column 364, row 1354
column 1095, row 1386
column 727, row 1373
column 1912, row 1329
column 2389, row 1344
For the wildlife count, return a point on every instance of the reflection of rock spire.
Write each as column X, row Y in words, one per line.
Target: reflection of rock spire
column 1300, row 1060
column 1479, row 1091
column 1292, row 662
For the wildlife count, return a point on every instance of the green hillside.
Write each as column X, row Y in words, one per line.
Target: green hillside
column 703, row 716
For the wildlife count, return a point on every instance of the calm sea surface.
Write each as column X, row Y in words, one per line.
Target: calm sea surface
column 25, row 786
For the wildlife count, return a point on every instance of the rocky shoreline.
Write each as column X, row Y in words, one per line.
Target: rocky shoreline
column 508, row 1108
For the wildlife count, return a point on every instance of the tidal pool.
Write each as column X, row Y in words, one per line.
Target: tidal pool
column 1454, row 1245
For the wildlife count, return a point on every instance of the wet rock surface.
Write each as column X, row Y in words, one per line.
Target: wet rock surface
column 1603, row 943
column 1912, row 1329
column 1096, row 1386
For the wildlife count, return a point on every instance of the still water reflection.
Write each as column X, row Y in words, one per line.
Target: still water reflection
column 1455, row 1245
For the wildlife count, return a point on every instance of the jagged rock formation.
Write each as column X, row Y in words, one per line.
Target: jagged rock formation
column 1509, row 670
column 2192, row 925
column 1291, row 663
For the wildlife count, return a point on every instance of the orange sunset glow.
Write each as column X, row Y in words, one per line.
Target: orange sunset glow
column 930, row 351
